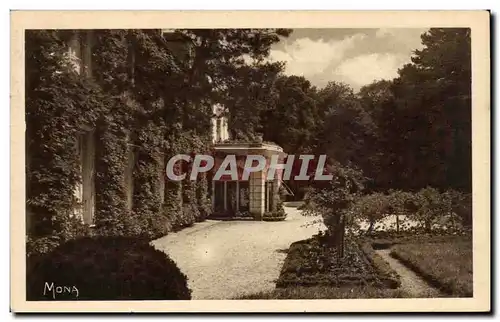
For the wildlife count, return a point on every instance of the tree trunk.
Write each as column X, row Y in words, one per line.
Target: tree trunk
column 428, row 226
column 338, row 238
column 370, row 228
column 341, row 238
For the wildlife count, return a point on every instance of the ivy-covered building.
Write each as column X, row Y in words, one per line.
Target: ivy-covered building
column 105, row 109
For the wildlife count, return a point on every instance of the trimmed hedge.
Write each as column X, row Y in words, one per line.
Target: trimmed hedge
column 386, row 273
column 105, row 268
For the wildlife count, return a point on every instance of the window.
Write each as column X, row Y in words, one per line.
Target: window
column 269, row 196
column 131, row 63
column 224, row 135
column 75, row 53
column 80, row 52
column 218, row 130
column 85, row 191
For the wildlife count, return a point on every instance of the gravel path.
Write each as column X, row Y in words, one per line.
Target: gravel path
column 411, row 283
column 226, row 259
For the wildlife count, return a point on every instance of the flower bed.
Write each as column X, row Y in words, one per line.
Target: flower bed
column 313, row 262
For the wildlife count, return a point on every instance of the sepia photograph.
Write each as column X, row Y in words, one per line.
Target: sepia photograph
column 174, row 163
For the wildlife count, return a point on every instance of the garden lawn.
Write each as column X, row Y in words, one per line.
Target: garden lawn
column 446, row 265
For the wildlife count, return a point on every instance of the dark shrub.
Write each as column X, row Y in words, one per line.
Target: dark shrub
column 105, row 268
column 278, row 214
column 274, row 216
column 462, row 206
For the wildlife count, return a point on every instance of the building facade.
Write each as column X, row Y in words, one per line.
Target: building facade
column 106, row 191
column 253, row 194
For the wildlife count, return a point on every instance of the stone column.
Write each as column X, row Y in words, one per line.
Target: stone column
column 237, row 195
column 257, row 191
column 213, row 195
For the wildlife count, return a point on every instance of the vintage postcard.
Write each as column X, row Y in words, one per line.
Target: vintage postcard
column 241, row 161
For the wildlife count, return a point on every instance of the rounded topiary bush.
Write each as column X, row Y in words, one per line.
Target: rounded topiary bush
column 105, row 268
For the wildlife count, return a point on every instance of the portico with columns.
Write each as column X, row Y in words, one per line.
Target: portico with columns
column 251, row 194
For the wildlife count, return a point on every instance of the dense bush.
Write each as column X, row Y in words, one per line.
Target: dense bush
column 105, row 268
column 425, row 211
column 437, row 210
column 370, row 208
column 276, row 215
column 462, row 206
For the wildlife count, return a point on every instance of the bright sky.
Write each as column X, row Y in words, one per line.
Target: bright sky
column 354, row 56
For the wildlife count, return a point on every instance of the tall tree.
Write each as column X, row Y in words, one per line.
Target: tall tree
column 424, row 116
column 292, row 121
column 250, row 95
column 347, row 129
column 382, row 164
column 446, row 63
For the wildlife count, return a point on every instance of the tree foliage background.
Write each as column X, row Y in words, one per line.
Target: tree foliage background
column 406, row 133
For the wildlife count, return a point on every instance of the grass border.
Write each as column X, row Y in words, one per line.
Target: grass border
column 431, row 280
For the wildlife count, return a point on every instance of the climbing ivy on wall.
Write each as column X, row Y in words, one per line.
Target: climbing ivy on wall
column 129, row 108
column 58, row 105
column 147, row 93
column 112, row 215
